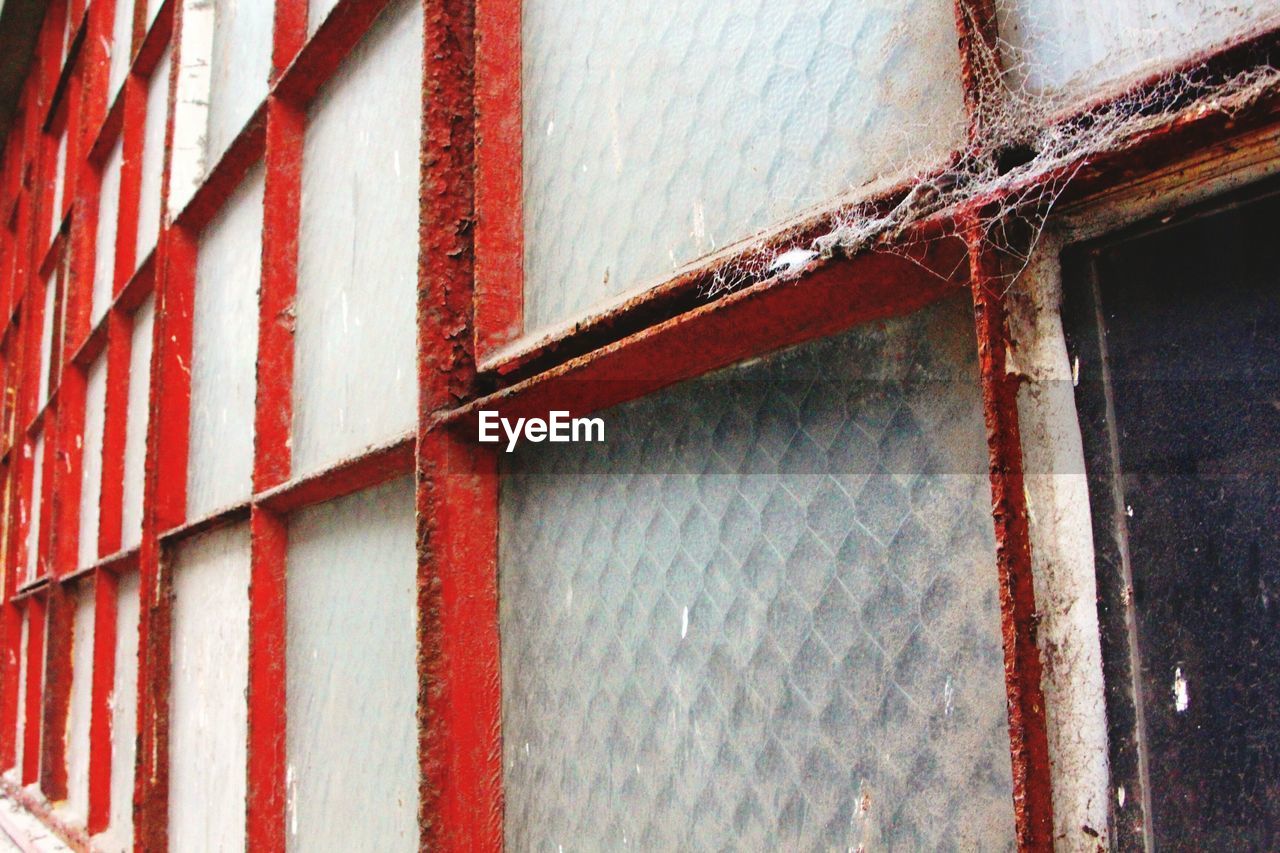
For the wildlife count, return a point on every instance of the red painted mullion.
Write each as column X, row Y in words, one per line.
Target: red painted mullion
column 171, row 381
column 151, row 776
column 265, row 817
column 68, row 451
column 58, row 536
column 59, row 498
column 17, row 474
column 49, row 48
column 34, row 687
column 10, row 624
column 27, row 218
column 49, row 62
column 459, row 706
column 63, row 429
column 268, row 531
column 111, row 493
column 289, row 35
column 29, row 384
column 1028, row 736
column 164, row 492
column 286, row 125
column 11, row 637
column 48, row 470
column 135, row 113
column 33, row 285
column 459, row 729
column 78, row 295
column 85, row 191
column 49, row 219
column 499, row 191
column 82, row 180
column 97, row 61
column 59, row 616
column 977, row 29
column 106, row 590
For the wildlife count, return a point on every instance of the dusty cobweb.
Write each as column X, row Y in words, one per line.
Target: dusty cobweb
column 1025, row 148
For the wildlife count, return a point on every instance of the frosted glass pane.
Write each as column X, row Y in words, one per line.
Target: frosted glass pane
column 121, row 44
column 95, row 401
column 1073, row 47
column 104, row 258
column 354, row 365
column 352, row 649
column 33, row 508
column 153, row 159
column 136, row 416
column 241, row 66
column 207, row 711
column 656, row 133
column 46, row 336
column 188, row 147
column 317, row 11
column 22, row 695
column 224, row 354
column 77, row 735
column 59, row 183
column 764, row 615
column 124, row 716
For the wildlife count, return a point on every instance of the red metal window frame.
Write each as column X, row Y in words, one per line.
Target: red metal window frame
column 666, row 335
column 301, row 65
column 469, row 328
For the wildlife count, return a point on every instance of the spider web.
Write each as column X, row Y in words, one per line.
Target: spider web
column 1027, row 146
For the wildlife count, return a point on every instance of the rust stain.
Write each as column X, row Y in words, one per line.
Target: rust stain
column 1029, row 744
column 459, row 697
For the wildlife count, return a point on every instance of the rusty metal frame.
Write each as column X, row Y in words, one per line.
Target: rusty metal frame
column 300, row 66
column 470, row 354
column 672, row 332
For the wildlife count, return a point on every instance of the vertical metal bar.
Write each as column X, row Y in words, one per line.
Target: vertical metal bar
column 265, row 829
column 1028, row 737
column 114, row 423
column 96, row 52
column 11, row 625
column 164, row 491
column 459, row 694
column 34, row 686
column 106, row 592
column 267, row 691
column 499, row 190
column 58, row 607
column 460, row 691
column 980, row 68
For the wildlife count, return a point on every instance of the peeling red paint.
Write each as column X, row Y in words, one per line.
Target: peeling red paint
column 1028, row 737
column 832, row 295
column 1028, row 733
column 459, row 697
column 106, row 587
column 499, row 166
column 671, row 332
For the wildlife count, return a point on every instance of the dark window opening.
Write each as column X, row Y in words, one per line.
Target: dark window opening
column 1176, row 329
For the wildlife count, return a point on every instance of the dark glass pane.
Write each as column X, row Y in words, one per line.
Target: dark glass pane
column 1191, row 318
